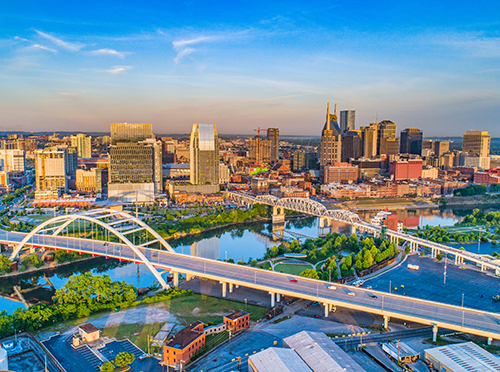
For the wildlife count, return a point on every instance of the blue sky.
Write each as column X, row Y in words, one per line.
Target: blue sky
column 426, row 64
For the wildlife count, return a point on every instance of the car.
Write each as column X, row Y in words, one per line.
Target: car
column 316, row 316
column 373, row 296
column 316, row 303
column 154, row 254
column 118, row 249
column 8, row 345
column 402, row 286
column 351, row 294
column 332, row 287
column 293, row 280
column 369, row 287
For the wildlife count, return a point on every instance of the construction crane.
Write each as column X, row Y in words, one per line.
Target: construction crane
column 258, row 130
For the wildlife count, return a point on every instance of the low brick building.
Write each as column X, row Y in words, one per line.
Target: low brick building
column 237, row 321
column 185, row 343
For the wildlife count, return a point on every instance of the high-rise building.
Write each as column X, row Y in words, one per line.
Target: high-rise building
column 130, row 132
column 204, row 154
column 13, row 160
column 369, row 136
column 441, row 147
column 50, row 170
column 347, row 120
column 331, row 141
column 135, row 168
column 387, row 143
column 351, row 145
column 273, row 135
column 83, row 145
column 476, row 142
column 411, row 141
column 260, row 149
column 89, row 181
column 303, row 160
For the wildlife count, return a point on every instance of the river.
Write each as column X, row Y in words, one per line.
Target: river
column 240, row 242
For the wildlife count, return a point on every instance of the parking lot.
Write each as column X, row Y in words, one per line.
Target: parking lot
column 428, row 283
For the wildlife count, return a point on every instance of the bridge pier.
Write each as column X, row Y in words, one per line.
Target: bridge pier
column 497, row 272
column 324, row 227
column 230, row 287
column 175, row 280
column 483, row 267
column 278, row 214
column 490, row 340
column 353, row 229
column 386, row 321
column 434, row 332
column 223, row 289
column 327, row 309
column 278, row 297
column 272, row 298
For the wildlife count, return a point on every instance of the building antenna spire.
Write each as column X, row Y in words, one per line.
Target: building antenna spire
column 335, row 108
column 376, row 121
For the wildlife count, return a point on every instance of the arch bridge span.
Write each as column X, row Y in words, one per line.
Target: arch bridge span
column 101, row 224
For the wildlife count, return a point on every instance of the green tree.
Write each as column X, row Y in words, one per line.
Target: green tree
column 107, row 367
column 124, row 359
column 309, row 273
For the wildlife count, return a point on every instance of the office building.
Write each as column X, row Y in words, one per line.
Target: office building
column 477, row 161
column 476, row 142
column 410, row 169
column 347, row 120
column 50, row 170
column 260, row 150
column 331, row 141
column 130, row 132
column 351, row 145
column 224, row 176
column 441, row 147
column 411, row 141
column 303, row 160
column 273, row 136
column 340, row 173
column 387, row 143
column 369, row 140
column 83, row 145
column 89, row 181
column 204, row 154
column 13, row 160
column 179, row 349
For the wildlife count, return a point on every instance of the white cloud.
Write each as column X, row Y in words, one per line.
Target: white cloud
column 184, row 52
column 107, row 52
column 180, row 44
column 118, row 70
column 473, row 44
column 44, row 48
column 63, row 44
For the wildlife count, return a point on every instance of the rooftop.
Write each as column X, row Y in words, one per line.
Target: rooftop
column 321, row 353
column 276, row 359
column 236, row 315
column 465, row 357
column 185, row 336
column 88, row 328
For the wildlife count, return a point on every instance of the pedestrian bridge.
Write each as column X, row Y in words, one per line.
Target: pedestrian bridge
column 119, row 235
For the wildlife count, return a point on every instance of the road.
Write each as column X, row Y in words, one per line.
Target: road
column 389, row 305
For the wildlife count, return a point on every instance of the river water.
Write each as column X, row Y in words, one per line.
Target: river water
column 240, row 242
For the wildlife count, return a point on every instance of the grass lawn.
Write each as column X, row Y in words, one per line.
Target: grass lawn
column 40, row 217
column 265, row 265
column 209, row 309
column 384, row 202
column 291, row 269
column 137, row 333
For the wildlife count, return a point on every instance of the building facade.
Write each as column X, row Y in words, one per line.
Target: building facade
column 13, row 160
column 179, row 350
column 410, row 169
column 204, row 154
column 369, row 138
column 50, row 171
column 340, row 173
column 83, row 144
column 130, row 132
column 477, row 142
column 351, row 145
column 331, row 141
column 347, row 120
column 273, row 136
column 387, row 143
column 411, row 141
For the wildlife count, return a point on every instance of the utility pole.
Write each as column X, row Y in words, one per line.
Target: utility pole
column 397, row 342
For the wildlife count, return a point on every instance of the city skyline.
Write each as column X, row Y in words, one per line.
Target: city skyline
column 428, row 66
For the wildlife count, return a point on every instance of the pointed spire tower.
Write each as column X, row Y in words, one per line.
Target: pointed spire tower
column 330, row 148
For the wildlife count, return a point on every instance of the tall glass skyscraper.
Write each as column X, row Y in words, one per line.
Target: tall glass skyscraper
column 411, row 141
column 273, row 135
column 347, row 120
column 204, row 151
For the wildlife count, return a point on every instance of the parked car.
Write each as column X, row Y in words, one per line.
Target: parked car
column 332, row 287
column 351, row 294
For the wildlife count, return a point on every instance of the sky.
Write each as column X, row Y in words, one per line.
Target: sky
column 79, row 66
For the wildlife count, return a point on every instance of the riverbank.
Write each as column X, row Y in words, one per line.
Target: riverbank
column 471, row 201
column 390, row 204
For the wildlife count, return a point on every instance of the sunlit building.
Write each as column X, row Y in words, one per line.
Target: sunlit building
column 331, row 141
column 83, row 144
column 477, row 142
column 204, row 155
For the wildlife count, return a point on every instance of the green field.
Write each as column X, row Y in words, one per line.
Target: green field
column 291, row 268
column 384, row 202
column 265, row 265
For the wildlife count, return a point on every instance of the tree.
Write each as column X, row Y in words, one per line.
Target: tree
column 124, row 359
column 310, row 273
column 439, row 257
column 107, row 367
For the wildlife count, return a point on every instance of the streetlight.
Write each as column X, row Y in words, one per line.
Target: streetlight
column 390, row 286
column 330, row 275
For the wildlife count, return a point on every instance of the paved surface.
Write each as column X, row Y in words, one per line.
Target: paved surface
column 393, row 305
column 428, row 283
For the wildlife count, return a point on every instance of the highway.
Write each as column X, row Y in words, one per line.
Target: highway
column 381, row 303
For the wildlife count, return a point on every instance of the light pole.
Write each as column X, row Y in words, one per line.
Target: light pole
column 330, row 275
column 390, row 286
column 445, row 266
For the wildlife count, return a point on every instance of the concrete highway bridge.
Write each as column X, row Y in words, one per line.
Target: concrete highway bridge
column 327, row 216
column 128, row 238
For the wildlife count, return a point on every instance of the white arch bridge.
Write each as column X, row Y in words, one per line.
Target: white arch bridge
column 121, row 236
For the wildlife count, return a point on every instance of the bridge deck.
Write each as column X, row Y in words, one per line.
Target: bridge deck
column 401, row 307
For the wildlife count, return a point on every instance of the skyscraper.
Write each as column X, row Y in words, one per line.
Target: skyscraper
column 50, row 168
column 411, row 141
column 260, row 149
column 204, row 152
column 347, row 120
column 351, row 145
column 135, row 170
column 331, row 142
column 273, row 135
column 476, row 142
column 369, row 136
column 387, row 143
column 83, row 145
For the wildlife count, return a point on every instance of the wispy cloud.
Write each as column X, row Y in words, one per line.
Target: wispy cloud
column 184, row 52
column 476, row 45
column 107, row 52
column 38, row 46
column 73, row 47
column 119, row 70
column 180, row 44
